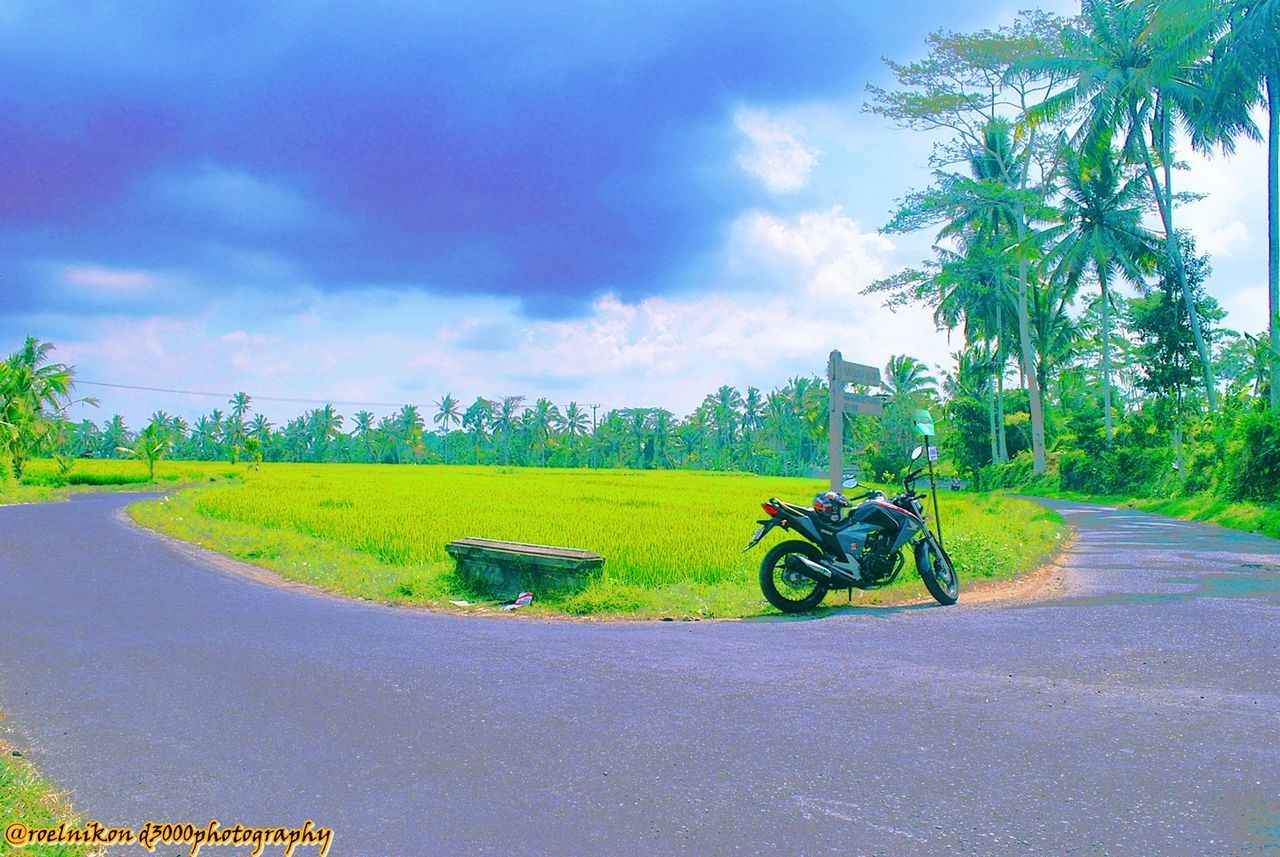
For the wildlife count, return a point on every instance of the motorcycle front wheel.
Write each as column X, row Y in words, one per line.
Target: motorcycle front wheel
column 790, row 591
column 940, row 577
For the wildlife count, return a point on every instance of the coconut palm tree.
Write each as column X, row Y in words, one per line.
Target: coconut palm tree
column 149, row 446
column 1055, row 332
column 974, row 378
column 447, row 415
column 476, row 421
column 573, row 425
column 906, row 377
column 542, row 419
column 1135, row 80
column 1243, row 72
column 1101, row 232
column 33, row 393
column 504, row 420
column 725, row 406
column 407, row 427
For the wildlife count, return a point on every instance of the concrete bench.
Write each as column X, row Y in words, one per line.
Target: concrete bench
column 509, row 568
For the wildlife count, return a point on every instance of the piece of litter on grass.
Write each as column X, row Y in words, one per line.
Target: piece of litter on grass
column 522, row 600
column 460, row 603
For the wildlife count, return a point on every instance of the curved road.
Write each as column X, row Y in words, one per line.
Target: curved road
column 1138, row 714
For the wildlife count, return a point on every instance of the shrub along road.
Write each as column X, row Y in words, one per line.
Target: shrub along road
column 1136, row 713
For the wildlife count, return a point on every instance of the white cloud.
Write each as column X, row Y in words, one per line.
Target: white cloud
column 108, row 279
column 1221, row 221
column 787, row 293
column 774, row 151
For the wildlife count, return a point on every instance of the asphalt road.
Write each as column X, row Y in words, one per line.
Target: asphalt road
column 1137, row 714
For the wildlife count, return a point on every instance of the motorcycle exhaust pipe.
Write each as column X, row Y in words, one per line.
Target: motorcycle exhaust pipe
column 819, row 572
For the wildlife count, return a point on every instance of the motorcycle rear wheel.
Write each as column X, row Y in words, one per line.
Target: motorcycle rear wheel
column 940, row 578
column 789, row 591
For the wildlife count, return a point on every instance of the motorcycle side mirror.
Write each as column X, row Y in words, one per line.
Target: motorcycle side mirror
column 916, row 453
column 850, row 482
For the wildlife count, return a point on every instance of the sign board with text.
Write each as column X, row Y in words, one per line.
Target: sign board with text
column 840, row 372
column 860, row 405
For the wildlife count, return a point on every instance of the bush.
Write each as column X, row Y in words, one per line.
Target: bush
column 1252, row 467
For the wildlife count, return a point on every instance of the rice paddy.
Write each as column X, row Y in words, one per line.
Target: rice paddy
column 672, row 539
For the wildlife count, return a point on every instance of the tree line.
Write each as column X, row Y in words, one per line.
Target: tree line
column 781, row 432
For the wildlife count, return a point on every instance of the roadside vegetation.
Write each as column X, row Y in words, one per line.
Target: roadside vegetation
column 26, row 797
column 46, row 479
column 672, row 541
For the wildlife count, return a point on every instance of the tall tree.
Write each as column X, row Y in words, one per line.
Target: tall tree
column 447, row 414
column 1132, row 79
column 34, row 393
column 1101, row 232
column 574, row 425
column 963, row 85
column 504, row 420
column 476, row 421
column 1244, row 71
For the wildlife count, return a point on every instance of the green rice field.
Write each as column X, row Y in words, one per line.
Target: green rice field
column 672, row 539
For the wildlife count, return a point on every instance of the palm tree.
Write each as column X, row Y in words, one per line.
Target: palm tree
column 87, row 437
column 638, row 433
column 504, row 421
column 1055, row 332
column 322, row 425
column 1244, row 71
column 725, row 405
column 447, row 415
column 906, row 377
column 234, row 431
column 542, row 418
column 908, row 385
column 408, row 424
column 801, row 393
column 1134, row 79
column 661, row 433
column 218, row 426
column 362, row 430
column 975, row 287
column 973, row 377
column 260, row 428
column 33, row 393
column 777, row 419
column 574, row 425
column 476, row 421
column 1102, row 232
column 149, row 446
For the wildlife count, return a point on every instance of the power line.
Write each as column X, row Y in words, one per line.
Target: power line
column 255, row 398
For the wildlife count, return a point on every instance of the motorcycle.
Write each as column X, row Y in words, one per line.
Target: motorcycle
column 860, row 550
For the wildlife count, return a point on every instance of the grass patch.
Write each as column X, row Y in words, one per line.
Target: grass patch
column 42, row 483
column 26, row 797
column 672, row 540
column 1249, row 517
column 1209, row 508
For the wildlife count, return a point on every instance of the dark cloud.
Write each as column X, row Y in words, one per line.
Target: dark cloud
column 543, row 151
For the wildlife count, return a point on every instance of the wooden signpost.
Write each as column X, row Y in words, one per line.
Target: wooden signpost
column 839, row 373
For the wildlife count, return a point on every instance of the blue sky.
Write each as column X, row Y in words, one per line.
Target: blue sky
column 598, row 202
